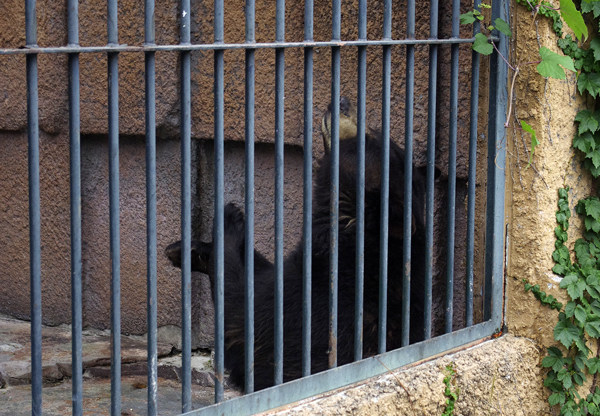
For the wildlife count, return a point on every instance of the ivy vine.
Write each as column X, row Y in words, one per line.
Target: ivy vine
column 450, row 391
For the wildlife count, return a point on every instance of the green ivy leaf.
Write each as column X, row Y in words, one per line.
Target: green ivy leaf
column 559, row 269
column 592, row 224
column 563, row 193
column 595, row 306
column 587, row 122
column 592, row 207
column 561, row 254
column 560, row 217
column 589, row 82
column 565, row 332
column 592, row 6
column 581, row 360
column 580, row 344
column 579, row 378
column 467, row 18
column 552, row 383
column 503, row 27
column 552, row 64
column 582, row 250
column 594, row 156
column 570, row 308
column 568, row 280
column 592, row 365
column 534, row 141
column 593, row 329
column 556, row 398
column 576, row 290
column 560, row 234
column 573, row 19
column 587, row 163
column 580, row 314
column 596, row 398
column 595, row 46
column 482, row 45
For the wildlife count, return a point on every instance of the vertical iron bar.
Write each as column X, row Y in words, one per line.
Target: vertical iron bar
column 360, row 182
column 115, row 244
column 75, row 186
column 249, row 237
column 408, row 154
column 279, row 141
column 452, row 167
column 307, row 197
column 186, row 220
column 496, row 175
column 385, row 176
column 335, row 178
column 35, row 257
column 431, row 120
column 219, row 172
column 472, row 174
column 151, row 208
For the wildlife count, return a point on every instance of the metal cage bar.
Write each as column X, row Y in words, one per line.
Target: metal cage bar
column 307, row 195
column 249, row 200
column 494, row 234
column 279, row 174
column 452, row 142
column 151, row 289
column 385, row 177
column 472, row 176
column 113, row 186
column 408, row 156
column 334, row 190
column 35, row 256
column 219, row 167
column 360, row 183
column 186, row 216
column 229, row 46
column 430, row 188
column 75, row 194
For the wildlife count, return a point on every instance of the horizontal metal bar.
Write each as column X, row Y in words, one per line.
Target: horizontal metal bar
column 223, row 46
column 347, row 374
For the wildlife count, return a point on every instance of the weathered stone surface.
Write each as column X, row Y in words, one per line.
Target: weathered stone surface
column 16, row 401
column 15, row 352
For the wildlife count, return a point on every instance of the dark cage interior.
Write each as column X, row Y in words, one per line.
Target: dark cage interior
column 251, row 146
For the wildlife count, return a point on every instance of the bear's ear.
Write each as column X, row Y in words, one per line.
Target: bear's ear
column 423, row 171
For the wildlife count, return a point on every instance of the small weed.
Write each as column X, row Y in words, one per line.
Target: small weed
column 451, row 396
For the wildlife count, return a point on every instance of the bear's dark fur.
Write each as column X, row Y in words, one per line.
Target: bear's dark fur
column 264, row 272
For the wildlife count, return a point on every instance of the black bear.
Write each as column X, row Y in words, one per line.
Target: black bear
column 264, row 273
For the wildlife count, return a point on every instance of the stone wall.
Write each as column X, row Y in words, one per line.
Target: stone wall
column 54, row 153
